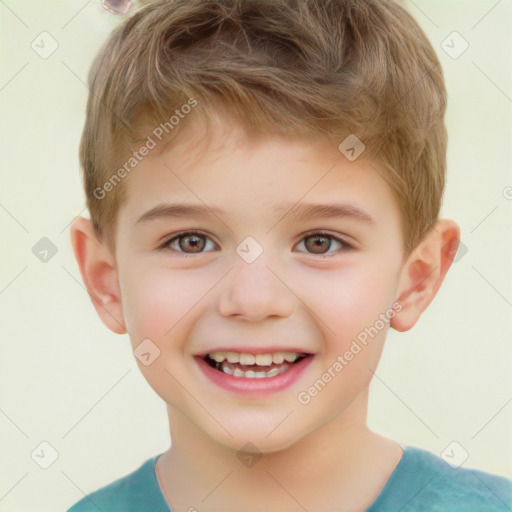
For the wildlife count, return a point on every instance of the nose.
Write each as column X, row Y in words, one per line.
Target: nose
column 254, row 291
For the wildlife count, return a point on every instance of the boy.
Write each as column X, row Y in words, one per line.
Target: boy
column 299, row 147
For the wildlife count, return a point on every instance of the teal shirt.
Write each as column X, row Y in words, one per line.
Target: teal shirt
column 421, row 482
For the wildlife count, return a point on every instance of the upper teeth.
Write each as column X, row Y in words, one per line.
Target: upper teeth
column 258, row 359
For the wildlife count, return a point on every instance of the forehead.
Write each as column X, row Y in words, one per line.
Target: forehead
column 260, row 173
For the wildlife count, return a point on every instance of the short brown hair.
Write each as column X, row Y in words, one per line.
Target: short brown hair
column 294, row 68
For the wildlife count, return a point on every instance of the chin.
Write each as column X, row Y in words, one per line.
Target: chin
column 259, row 438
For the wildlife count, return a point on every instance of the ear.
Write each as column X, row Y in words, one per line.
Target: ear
column 99, row 273
column 424, row 271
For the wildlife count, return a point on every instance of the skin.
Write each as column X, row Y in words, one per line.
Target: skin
column 319, row 455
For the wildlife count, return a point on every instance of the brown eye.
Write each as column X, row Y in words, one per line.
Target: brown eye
column 322, row 243
column 318, row 244
column 190, row 243
column 193, row 242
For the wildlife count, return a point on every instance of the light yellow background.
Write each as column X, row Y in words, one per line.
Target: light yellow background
column 67, row 380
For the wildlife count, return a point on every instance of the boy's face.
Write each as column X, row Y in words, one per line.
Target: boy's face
column 255, row 280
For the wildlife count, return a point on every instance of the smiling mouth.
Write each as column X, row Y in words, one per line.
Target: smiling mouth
column 257, row 366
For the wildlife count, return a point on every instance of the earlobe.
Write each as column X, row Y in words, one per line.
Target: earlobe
column 97, row 267
column 424, row 271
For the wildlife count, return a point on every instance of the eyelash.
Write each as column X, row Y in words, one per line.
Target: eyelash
column 165, row 245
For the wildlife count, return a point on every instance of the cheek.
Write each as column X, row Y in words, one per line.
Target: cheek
column 348, row 301
column 158, row 302
column 158, row 305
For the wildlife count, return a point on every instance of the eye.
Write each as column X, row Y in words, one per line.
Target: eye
column 189, row 243
column 193, row 242
column 321, row 243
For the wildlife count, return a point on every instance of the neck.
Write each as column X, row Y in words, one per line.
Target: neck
column 199, row 472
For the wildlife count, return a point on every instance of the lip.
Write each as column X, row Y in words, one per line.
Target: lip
column 254, row 386
column 255, row 350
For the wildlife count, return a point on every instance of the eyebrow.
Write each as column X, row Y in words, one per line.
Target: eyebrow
column 293, row 211
column 304, row 211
